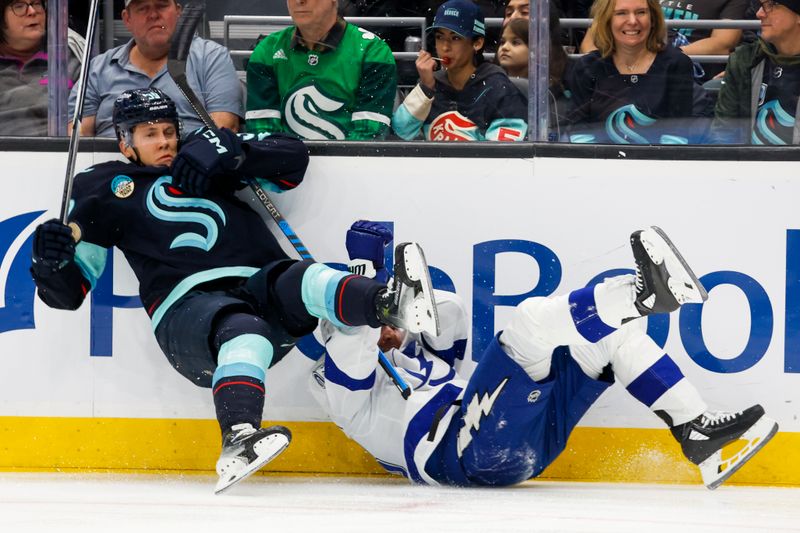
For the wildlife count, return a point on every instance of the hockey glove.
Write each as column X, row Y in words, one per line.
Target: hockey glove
column 53, row 248
column 208, row 155
column 365, row 243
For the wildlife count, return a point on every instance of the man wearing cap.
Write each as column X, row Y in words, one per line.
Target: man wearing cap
column 142, row 62
column 466, row 99
column 758, row 102
column 321, row 79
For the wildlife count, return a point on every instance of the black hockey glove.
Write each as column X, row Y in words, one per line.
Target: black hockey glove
column 53, row 248
column 206, row 156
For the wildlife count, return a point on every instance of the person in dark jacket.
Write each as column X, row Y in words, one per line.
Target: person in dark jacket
column 758, row 101
column 466, row 99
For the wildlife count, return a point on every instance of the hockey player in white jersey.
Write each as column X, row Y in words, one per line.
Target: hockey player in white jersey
column 511, row 418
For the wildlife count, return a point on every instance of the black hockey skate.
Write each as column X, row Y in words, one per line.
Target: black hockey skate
column 245, row 449
column 711, row 441
column 408, row 302
column 664, row 281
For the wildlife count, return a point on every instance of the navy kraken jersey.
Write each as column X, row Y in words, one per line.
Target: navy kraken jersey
column 650, row 108
column 777, row 104
column 174, row 241
column 166, row 235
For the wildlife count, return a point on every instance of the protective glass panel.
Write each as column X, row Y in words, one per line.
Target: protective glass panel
column 650, row 72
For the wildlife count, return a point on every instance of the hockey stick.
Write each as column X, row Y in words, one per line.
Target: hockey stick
column 76, row 120
column 176, row 65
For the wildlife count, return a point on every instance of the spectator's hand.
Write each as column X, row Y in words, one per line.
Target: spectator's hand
column 207, row 154
column 365, row 244
column 53, row 247
column 425, row 67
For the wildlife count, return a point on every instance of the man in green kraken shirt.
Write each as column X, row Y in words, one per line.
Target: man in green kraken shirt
column 322, row 78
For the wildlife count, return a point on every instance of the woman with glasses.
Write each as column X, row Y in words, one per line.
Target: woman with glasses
column 23, row 68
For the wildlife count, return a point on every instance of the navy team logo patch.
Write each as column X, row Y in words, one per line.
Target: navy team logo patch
column 122, row 186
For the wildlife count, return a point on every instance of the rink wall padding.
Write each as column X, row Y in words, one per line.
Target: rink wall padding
column 320, row 448
column 90, row 390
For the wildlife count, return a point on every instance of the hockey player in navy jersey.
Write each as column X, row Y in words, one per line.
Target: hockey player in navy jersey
column 512, row 417
column 225, row 301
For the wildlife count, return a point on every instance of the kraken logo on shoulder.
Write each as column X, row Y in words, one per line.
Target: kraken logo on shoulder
column 159, row 196
column 305, row 111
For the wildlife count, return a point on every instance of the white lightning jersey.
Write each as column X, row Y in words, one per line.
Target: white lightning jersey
column 362, row 400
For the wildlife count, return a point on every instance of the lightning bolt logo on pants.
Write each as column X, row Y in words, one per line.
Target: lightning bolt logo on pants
column 477, row 409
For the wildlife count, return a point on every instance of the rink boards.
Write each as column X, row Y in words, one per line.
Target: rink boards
column 91, row 390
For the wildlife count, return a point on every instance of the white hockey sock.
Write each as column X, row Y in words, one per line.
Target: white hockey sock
column 652, row 377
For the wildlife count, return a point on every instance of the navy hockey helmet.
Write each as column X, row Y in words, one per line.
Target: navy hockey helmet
column 142, row 105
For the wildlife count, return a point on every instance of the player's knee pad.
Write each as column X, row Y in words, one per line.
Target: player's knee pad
column 277, row 289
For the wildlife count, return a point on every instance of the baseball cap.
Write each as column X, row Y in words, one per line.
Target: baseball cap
column 462, row 17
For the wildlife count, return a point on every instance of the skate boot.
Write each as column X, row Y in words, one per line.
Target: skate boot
column 408, row 302
column 664, row 281
column 245, row 449
column 712, row 441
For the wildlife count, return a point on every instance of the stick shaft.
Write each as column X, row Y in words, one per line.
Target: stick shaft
column 74, row 139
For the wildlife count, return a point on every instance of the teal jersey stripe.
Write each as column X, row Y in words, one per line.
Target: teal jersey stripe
column 192, row 281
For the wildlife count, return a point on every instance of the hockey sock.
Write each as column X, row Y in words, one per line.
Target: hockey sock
column 653, row 378
column 242, row 363
column 237, row 400
column 340, row 297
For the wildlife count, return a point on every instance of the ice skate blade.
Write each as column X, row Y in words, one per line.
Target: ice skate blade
column 267, row 448
column 715, row 471
column 682, row 282
column 425, row 316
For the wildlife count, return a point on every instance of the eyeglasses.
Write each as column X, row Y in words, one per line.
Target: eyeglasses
column 20, row 9
column 768, row 6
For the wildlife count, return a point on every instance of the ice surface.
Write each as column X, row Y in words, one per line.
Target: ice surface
column 150, row 503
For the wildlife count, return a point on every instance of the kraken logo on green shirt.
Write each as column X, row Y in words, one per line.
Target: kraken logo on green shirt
column 305, row 111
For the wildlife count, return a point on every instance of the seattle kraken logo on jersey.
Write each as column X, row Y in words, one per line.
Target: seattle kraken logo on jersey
column 305, row 110
column 159, row 196
column 621, row 125
column 773, row 125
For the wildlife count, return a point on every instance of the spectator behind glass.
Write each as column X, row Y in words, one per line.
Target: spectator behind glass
column 758, row 101
column 321, row 79
column 23, row 68
column 142, row 62
column 467, row 99
column 701, row 41
column 513, row 52
column 633, row 89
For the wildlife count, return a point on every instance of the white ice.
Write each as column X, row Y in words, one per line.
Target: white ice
column 150, row 503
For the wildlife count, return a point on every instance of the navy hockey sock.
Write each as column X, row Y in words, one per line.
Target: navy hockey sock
column 243, row 356
column 237, row 400
column 355, row 301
